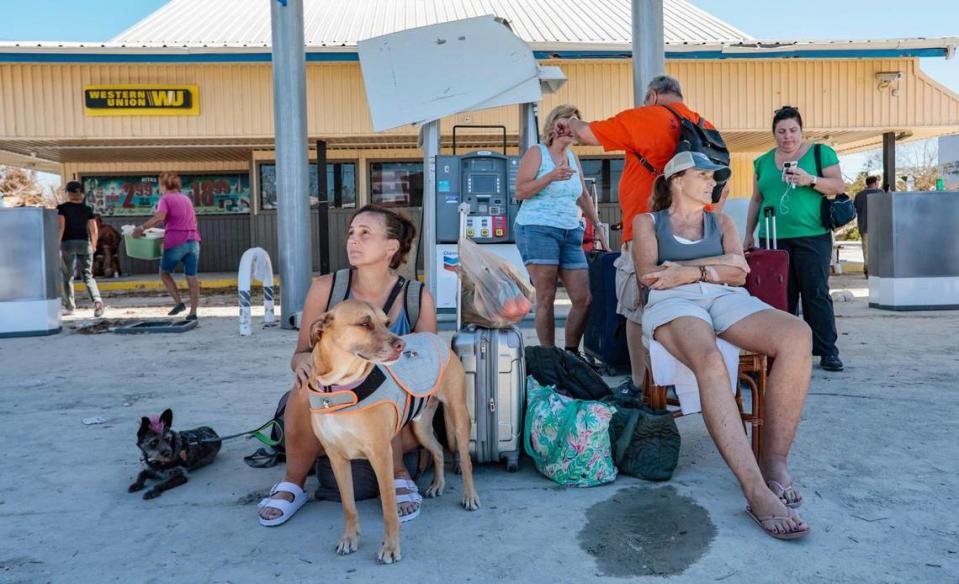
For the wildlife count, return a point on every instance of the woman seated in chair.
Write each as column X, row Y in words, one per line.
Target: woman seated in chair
column 691, row 264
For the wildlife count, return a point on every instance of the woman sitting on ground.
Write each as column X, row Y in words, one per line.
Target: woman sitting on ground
column 692, row 264
column 378, row 242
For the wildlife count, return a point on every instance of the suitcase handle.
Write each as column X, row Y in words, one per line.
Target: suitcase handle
column 464, row 210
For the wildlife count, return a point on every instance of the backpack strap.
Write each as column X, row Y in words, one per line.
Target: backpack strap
column 817, row 153
column 413, row 299
column 342, row 279
column 645, row 163
column 397, row 288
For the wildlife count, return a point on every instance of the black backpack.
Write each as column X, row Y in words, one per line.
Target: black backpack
column 696, row 137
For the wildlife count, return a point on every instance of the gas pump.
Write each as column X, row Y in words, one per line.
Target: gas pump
column 486, row 181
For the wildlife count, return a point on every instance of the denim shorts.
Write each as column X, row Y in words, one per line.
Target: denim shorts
column 551, row 246
column 188, row 253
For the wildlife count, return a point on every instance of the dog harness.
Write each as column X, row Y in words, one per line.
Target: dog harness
column 407, row 384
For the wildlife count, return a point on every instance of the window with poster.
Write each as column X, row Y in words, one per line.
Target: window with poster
column 212, row 194
column 396, row 183
column 606, row 172
column 340, row 184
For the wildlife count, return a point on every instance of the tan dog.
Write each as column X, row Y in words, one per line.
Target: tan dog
column 348, row 342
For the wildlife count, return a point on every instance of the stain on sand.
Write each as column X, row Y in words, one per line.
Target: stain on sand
column 641, row 531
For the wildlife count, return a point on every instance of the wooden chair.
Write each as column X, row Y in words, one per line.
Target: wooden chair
column 753, row 369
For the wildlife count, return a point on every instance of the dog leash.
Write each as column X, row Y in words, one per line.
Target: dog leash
column 258, row 433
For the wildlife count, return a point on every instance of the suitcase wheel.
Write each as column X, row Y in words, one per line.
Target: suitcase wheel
column 512, row 462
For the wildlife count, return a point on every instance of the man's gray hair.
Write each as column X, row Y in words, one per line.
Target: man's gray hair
column 665, row 84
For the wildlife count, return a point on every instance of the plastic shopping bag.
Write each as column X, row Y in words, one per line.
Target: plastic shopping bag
column 495, row 294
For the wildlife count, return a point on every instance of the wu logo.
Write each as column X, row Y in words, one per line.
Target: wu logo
column 170, row 98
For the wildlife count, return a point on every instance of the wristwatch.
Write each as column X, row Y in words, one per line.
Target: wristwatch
column 815, row 179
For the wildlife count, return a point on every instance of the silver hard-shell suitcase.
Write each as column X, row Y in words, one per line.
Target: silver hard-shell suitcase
column 495, row 385
column 495, row 391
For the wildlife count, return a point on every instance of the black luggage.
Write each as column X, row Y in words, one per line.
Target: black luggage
column 605, row 338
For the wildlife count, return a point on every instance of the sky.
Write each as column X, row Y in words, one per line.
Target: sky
column 99, row 20
column 856, row 19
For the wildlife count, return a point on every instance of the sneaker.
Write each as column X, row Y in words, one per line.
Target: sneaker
column 98, row 310
column 177, row 309
column 627, row 390
column 191, row 317
column 830, row 363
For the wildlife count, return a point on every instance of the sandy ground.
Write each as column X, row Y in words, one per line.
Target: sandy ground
column 875, row 458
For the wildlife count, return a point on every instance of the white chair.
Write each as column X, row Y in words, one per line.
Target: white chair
column 666, row 370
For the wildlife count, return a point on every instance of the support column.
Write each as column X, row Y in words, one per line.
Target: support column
column 323, row 193
column 528, row 126
column 292, row 161
column 889, row 161
column 649, row 57
column 430, row 142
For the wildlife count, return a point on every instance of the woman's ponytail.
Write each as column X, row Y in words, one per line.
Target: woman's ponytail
column 661, row 197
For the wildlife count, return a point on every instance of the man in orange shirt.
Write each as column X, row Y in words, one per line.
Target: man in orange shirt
column 649, row 135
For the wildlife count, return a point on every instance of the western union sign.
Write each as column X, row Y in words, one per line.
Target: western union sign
column 141, row 100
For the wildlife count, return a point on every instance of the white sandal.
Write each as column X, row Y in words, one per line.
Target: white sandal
column 288, row 508
column 413, row 497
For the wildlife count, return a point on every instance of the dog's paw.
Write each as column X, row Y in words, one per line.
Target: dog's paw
column 134, row 488
column 435, row 489
column 389, row 554
column 471, row 502
column 348, row 544
column 151, row 494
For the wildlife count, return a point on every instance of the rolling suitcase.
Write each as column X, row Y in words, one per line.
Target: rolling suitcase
column 604, row 340
column 768, row 277
column 495, row 386
column 592, row 240
column 495, row 391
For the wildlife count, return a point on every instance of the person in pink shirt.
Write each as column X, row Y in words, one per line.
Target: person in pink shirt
column 181, row 243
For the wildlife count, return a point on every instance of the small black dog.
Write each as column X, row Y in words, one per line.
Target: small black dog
column 169, row 455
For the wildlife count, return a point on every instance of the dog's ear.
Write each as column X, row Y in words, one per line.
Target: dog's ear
column 144, row 427
column 319, row 325
column 166, row 418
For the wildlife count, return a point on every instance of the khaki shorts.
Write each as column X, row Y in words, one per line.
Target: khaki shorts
column 720, row 306
column 628, row 297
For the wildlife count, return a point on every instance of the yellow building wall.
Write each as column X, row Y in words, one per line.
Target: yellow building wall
column 45, row 100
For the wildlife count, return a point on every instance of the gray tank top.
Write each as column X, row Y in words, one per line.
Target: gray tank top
column 671, row 250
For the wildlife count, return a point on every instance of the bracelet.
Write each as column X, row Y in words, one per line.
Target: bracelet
column 703, row 276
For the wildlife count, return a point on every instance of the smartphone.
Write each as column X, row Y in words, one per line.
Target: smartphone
column 787, row 166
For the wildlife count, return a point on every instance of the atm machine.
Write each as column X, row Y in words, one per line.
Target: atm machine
column 486, row 181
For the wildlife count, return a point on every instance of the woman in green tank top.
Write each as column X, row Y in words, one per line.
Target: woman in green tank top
column 788, row 181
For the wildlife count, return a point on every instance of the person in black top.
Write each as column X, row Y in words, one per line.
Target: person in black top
column 861, row 202
column 78, row 240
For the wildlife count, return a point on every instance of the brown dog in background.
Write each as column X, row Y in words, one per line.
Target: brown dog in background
column 348, row 342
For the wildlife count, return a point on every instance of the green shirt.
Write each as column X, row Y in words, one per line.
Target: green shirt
column 797, row 209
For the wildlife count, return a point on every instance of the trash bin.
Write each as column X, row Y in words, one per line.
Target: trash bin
column 30, row 279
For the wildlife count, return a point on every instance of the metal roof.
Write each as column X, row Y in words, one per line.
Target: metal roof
column 341, row 23
column 239, row 31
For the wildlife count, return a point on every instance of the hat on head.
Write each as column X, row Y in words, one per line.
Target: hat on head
column 686, row 160
column 74, row 186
